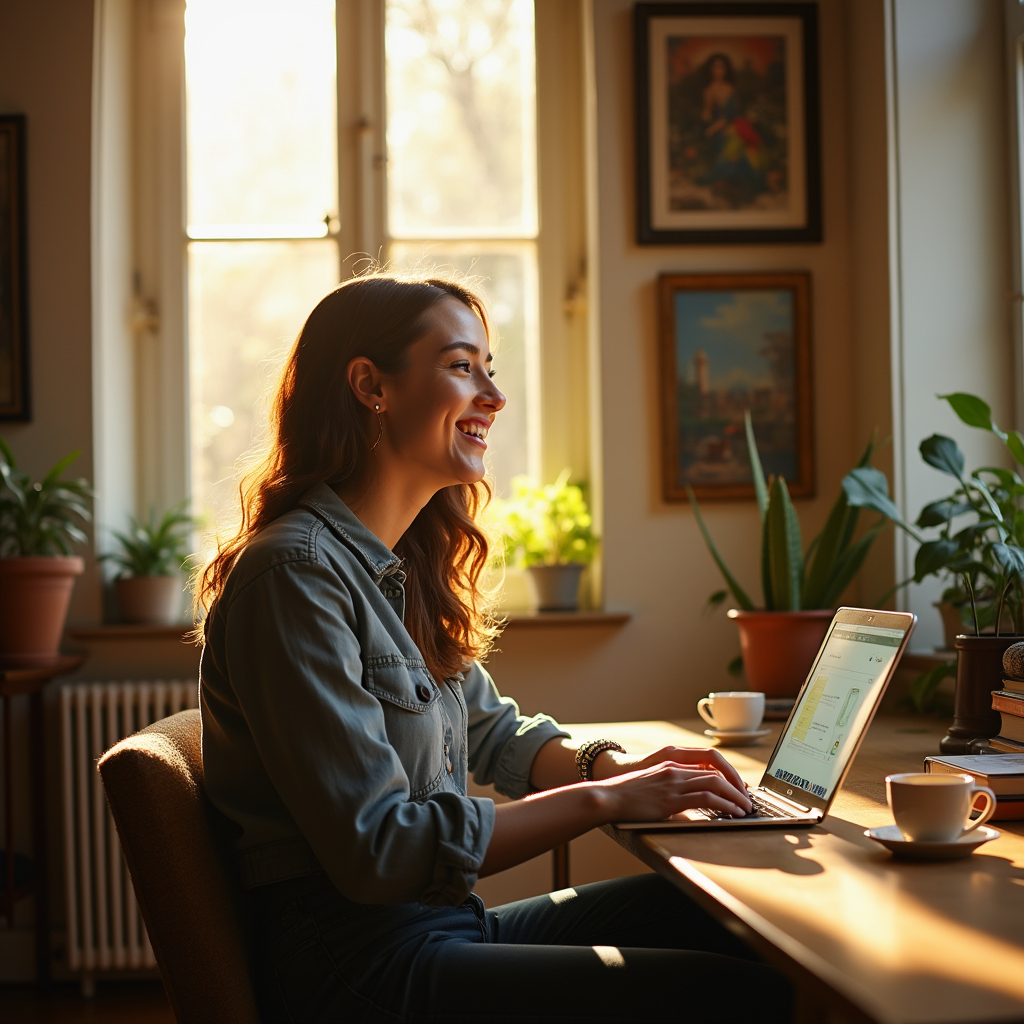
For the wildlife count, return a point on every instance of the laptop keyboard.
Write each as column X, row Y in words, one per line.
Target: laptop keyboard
column 760, row 809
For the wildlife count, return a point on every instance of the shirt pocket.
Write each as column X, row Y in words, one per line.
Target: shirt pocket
column 414, row 718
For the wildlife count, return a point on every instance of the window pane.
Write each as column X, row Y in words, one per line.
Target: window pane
column 262, row 126
column 506, row 277
column 461, row 118
column 247, row 302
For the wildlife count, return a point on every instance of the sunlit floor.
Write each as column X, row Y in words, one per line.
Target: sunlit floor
column 120, row 1002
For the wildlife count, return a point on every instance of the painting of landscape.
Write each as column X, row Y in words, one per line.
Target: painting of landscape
column 734, row 350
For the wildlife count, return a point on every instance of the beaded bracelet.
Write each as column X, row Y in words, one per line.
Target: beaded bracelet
column 588, row 754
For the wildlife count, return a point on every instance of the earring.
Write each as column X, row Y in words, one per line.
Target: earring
column 380, row 424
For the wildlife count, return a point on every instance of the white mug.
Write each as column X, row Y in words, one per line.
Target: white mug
column 931, row 808
column 732, row 710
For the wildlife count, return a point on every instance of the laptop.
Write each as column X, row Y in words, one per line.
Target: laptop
column 829, row 719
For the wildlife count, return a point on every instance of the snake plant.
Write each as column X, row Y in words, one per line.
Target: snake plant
column 792, row 579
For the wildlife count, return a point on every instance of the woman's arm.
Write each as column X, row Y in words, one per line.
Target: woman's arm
column 531, row 826
column 555, row 763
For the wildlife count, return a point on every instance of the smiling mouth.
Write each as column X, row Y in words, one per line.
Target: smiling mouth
column 476, row 431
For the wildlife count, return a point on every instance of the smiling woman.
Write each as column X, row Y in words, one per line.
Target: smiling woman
column 344, row 705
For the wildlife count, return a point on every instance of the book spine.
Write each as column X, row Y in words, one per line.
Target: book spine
column 1009, row 703
column 1013, row 727
column 1006, row 745
column 1014, row 686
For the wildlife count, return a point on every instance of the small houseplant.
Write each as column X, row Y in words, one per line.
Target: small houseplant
column 40, row 521
column 800, row 589
column 980, row 544
column 549, row 531
column 149, row 560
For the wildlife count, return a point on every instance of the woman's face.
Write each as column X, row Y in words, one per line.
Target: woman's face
column 718, row 70
column 438, row 410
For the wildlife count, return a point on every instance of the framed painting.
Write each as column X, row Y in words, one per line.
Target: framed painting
column 733, row 343
column 14, row 383
column 727, row 123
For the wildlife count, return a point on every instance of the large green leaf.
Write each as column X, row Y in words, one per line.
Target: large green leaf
column 867, row 487
column 934, row 556
column 731, row 582
column 766, row 563
column 942, row 453
column 785, row 550
column 939, row 512
column 1015, row 445
column 760, row 487
column 973, row 411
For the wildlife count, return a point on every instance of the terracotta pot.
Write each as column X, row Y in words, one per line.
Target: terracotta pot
column 778, row 647
column 34, row 597
column 979, row 671
column 149, row 600
column 557, row 587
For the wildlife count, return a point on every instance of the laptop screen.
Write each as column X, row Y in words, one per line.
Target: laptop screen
column 834, row 708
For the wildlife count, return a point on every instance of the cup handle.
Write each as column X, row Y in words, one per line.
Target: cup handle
column 703, row 709
column 985, row 814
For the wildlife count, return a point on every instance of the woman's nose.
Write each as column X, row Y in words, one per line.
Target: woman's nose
column 492, row 398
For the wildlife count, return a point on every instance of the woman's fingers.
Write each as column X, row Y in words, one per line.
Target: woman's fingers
column 700, row 756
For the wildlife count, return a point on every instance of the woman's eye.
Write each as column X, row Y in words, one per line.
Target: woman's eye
column 462, row 364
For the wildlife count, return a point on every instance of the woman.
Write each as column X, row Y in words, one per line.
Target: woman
column 343, row 704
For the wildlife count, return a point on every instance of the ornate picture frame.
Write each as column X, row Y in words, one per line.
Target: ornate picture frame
column 731, row 343
column 727, row 123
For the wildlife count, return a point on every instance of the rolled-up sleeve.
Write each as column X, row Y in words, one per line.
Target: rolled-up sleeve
column 502, row 743
column 295, row 666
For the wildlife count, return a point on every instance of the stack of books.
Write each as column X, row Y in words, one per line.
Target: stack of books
column 1002, row 773
column 1009, row 702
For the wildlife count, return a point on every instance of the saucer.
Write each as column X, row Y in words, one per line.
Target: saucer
column 735, row 738
column 892, row 839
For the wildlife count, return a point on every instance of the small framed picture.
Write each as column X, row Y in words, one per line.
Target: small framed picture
column 733, row 343
column 727, row 123
column 14, row 381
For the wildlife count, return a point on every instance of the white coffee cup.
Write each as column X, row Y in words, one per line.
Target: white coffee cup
column 732, row 710
column 934, row 808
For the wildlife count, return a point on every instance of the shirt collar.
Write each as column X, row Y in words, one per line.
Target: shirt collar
column 378, row 558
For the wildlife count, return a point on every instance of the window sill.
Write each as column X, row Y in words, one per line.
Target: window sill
column 545, row 620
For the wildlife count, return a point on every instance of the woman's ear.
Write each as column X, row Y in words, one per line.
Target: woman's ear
column 365, row 381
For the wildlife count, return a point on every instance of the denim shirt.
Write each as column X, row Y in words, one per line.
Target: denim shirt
column 325, row 738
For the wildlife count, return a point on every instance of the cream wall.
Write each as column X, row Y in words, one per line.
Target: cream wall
column 655, row 563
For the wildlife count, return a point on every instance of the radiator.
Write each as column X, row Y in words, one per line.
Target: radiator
column 105, row 929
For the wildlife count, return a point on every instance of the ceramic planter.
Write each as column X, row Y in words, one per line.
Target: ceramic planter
column 979, row 671
column 556, row 587
column 149, row 600
column 778, row 647
column 34, row 597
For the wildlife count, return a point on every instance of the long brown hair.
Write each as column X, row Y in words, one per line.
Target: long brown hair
column 320, row 433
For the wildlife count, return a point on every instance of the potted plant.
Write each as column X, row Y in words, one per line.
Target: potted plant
column 39, row 523
column 980, row 542
column 549, row 532
column 800, row 589
column 150, row 558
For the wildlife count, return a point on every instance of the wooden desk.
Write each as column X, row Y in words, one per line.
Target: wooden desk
column 864, row 937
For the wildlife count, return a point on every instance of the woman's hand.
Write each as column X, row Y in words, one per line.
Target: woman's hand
column 660, row 790
column 611, row 763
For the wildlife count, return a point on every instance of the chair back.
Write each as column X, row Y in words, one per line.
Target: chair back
column 176, row 846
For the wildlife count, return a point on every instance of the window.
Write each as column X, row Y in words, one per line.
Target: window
column 276, row 207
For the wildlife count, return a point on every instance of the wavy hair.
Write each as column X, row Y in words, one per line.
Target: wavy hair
column 320, row 433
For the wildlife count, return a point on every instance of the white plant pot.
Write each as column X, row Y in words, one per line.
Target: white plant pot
column 150, row 600
column 557, row 587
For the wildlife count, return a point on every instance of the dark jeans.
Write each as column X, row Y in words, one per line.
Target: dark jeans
column 632, row 949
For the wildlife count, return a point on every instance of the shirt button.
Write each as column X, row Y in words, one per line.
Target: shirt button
column 423, row 692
